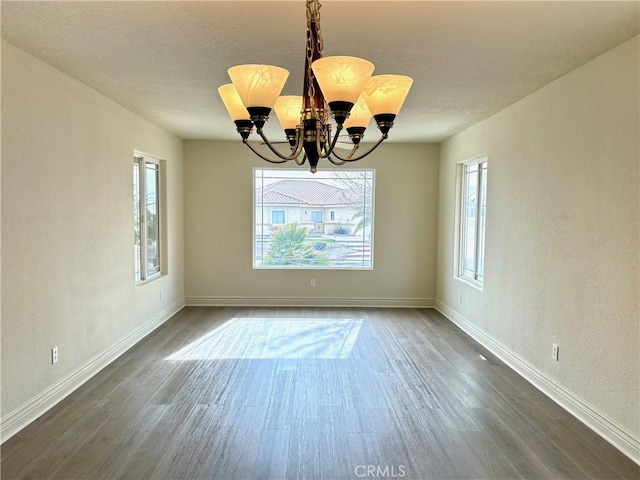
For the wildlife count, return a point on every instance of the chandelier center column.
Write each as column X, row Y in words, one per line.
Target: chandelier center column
column 313, row 104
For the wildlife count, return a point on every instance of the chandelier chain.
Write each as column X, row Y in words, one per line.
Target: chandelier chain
column 318, row 31
column 311, row 88
column 313, row 21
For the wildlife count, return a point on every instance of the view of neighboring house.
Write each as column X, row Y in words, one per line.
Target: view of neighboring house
column 318, row 206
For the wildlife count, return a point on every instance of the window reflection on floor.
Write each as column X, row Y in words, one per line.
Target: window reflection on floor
column 269, row 338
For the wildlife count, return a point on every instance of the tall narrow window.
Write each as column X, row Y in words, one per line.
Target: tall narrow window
column 473, row 209
column 146, row 217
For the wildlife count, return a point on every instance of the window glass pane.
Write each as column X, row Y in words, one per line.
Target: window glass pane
column 302, row 238
column 472, row 221
column 153, row 220
column 482, row 220
column 136, row 219
column 277, row 217
column 469, row 221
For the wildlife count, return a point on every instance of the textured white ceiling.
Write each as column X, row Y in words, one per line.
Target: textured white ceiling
column 164, row 60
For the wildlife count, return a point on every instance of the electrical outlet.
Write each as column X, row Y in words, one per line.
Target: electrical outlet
column 555, row 352
column 460, row 298
column 313, row 282
column 54, row 355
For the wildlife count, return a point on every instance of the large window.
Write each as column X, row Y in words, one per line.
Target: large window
column 473, row 212
column 314, row 221
column 146, row 217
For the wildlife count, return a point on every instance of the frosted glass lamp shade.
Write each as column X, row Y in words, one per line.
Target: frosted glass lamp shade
column 385, row 94
column 258, row 85
column 360, row 115
column 232, row 102
column 288, row 108
column 342, row 79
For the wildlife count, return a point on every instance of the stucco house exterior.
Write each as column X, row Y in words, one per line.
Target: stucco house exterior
column 318, row 206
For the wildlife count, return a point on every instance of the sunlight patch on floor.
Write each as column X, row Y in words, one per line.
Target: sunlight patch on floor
column 269, row 338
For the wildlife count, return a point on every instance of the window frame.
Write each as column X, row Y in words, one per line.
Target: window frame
column 369, row 260
column 476, row 278
column 141, row 161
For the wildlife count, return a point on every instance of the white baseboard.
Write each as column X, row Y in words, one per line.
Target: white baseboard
column 18, row 419
column 616, row 435
column 208, row 301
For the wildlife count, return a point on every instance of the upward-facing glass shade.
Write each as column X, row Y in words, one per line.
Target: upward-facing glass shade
column 232, row 102
column 386, row 93
column 360, row 115
column 258, row 85
column 288, row 109
column 342, row 78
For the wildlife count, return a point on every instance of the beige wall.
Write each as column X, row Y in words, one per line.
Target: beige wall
column 67, row 256
column 218, row 231
column 562, row 233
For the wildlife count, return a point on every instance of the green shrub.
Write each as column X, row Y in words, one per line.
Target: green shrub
column 288, row 246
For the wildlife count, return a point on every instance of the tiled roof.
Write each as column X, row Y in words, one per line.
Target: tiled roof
column 304, row 192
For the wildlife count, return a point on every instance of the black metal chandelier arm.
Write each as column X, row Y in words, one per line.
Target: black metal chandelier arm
column 246, row 142
column 326, row 153
column 334, row 161
column 349, row 157
column 301, row 162
column 294, row 152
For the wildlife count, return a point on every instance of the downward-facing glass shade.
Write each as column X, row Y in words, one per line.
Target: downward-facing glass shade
column 342, row 78
column 288, row 108
column 386, row 93
column 232, row 102
column 258, row 85
column 360, row 115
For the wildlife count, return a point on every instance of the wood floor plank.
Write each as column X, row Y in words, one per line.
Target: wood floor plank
column 186, row 446
column 304, row 449
column 241, row 451
column 279, row 411
column 333, row 443
column 131, row 437
column 273, row 453
column 214, row 453
column 316, row 393
column 305, row 395
column 42, row 463
column 143, row 461
column 515, row 448
column 362, row 451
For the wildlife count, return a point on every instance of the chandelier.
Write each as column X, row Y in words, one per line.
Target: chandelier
column 339, row 88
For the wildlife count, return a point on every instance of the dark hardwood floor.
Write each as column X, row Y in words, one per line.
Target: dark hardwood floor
column 264, row 393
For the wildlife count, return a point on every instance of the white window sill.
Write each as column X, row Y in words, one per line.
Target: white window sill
column 151, row 279
column 472, row 284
